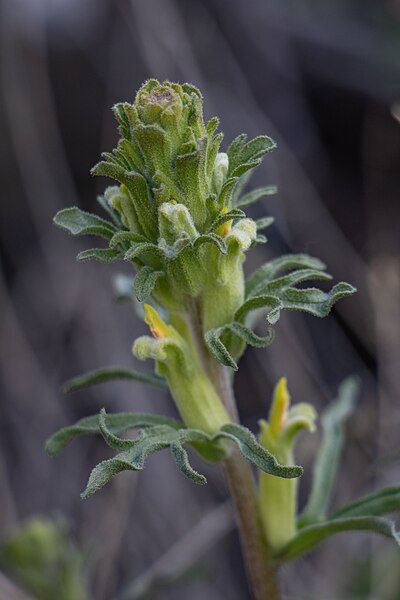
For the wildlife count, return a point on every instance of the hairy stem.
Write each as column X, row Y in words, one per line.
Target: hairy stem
column 261, row 574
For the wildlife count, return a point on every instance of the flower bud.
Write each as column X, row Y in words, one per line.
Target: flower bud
column 277, row 496
column 221, row 167
column 194, row 395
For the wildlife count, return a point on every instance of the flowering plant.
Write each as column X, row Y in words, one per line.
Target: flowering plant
column 176, row 214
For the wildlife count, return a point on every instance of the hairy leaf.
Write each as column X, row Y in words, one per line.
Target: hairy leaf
column 145, row 280
column 77, row 222
column 253, row 451
column 211, row 238
column 116, row 423
column 228, row 216
column 109, row 374
column 284, row 263
column 264, row 222
column 103, row 255
column 328, row 457
column 220, row 351
column 255, row 195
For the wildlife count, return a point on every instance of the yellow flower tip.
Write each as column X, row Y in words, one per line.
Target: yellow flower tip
column 158, row 328
column 280, row 407
column 225, row 227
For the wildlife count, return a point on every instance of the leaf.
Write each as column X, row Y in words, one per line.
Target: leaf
column 310, row 536
column 116, row 423
column 78, row 222
column 284, row 263
column 110, row 211
column 182, row 461
column 379, row 503
column 256, row 195
column 327, row 461
column 109, row 374
column 220, row 351
column 228, row 216
column 211, row 238
column 276, row 286
column 145, row 280
column 315, row 301
column 136, row 451
column 126, row 237
column 158, row 433
column 103, row 255
column 244, row 168
column 264, row 222
column 255, row 453
column 143, row 248
column 271, row 305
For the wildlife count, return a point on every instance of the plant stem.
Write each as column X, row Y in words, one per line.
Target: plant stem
column 261, row 573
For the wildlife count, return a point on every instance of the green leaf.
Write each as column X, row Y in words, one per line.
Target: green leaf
column 244, row 168
column 270, row 304
column 110, row 211
column 145, row 280
column 109, row 374
column 328, row 457
column 78, row 222
column 276, row 286
column 315, row 301
column 182, row 462
column 116, row 423
column 256, row 195
column 229, row 216
column 220, row 351
column 284, row 263
column 379, row 503
column 310, row 536
column 255, row 453
column 103, row 255
column 143, row 249
column 126, row 237
column 264, row 222
column 211, row 238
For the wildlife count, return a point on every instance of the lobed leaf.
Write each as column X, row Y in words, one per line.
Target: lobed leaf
column 116, row 423
column 287, row 262
column 315, row 301
column 109, row 374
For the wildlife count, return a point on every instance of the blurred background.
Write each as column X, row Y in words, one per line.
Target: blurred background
column 321, row 78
